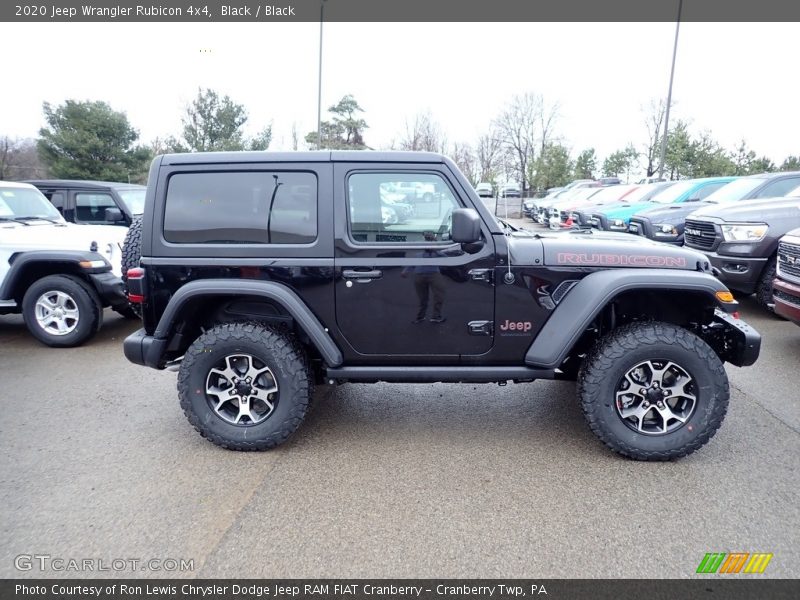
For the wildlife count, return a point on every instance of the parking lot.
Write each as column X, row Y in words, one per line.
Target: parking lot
column 384, row 480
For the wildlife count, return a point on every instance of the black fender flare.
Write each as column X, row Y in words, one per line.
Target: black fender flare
column 22, row 260
column 270, row 290
column 585, row 301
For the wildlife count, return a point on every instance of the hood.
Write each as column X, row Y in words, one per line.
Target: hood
column 41, row 235
column 672, row 214
column 764, row 210
column 624, row 210
column 591, row 248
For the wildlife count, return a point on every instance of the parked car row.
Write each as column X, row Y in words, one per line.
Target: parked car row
column 736, row 222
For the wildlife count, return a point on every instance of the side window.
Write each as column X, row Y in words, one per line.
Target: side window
column 779, row 188
column 56, row 199
column 707, row 190
column 241, row 208
column 400, row 207
column 91, row 207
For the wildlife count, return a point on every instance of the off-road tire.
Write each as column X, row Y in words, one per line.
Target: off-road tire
column 131, row 253
column 764, row 287
column 622, row 349
column 279, row 351
column 90, row 310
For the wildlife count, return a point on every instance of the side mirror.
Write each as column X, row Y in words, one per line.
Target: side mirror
column 466, row 226
column 114, row 215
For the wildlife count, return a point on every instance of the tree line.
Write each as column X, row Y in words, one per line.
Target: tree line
column 91, row 140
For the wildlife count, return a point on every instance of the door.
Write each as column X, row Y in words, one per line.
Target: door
column 90, row 208
column 403, row 288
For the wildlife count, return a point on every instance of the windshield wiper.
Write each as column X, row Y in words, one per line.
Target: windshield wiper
column 48, row 219
column 13, row 220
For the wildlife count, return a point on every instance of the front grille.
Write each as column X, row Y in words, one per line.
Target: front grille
column 637, row 226
column 787, row 298
column 789, row 260
column 699, row 234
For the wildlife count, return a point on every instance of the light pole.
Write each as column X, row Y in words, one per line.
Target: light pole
column 319, row 83
column 669, row 94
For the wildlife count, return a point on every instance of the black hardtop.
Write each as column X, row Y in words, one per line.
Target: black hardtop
column 82, row 184
column 370, row 156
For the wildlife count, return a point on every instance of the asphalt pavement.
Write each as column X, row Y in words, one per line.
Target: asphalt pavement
column 382, row 480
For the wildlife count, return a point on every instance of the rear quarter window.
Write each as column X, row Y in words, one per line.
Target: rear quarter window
column 263, row 207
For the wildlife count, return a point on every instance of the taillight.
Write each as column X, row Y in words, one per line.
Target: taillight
column 135, row 278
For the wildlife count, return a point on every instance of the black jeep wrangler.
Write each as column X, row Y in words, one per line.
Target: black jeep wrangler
column 264, row 274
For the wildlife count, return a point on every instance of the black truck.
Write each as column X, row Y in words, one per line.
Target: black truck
column 741, row 240
column 260, row 275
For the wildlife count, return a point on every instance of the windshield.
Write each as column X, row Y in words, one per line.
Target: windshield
column 24, row 202
column 735, row 190
column 614, row 192
column 133, row 199
column 641, row 193
column 673, row 192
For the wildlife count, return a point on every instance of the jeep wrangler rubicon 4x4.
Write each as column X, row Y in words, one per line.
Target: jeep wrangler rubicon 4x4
column 260, row 275
column 60, row 276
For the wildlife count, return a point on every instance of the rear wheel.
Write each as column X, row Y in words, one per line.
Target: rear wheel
column 653, row 391
column 244, row 386
column 62, row 311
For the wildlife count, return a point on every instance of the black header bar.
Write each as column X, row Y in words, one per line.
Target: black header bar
column 209, row 11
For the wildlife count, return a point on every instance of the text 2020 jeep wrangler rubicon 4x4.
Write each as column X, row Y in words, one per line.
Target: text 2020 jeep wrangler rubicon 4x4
column 263, row 274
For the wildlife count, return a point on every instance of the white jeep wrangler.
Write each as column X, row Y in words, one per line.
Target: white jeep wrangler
column 59, row 275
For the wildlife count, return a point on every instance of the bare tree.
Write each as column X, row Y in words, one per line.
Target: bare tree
column 548, row 118
column 654, row 121
column 464, row 157
column 517, row 126
column 489, row 149
column 294, row 135
column 423, row 135
column 19, row 159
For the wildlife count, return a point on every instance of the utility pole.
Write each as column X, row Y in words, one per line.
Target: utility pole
column 319, row 83
column 669, row 94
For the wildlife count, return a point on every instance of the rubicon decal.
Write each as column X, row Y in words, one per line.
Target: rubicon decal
column 626, row 260
column 735, row 562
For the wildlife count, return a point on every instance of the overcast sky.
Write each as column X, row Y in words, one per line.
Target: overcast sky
column 736, row 80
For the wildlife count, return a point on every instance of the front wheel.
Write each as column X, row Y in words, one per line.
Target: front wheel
column 244, row 386
column 653, row 391
column 62, row 311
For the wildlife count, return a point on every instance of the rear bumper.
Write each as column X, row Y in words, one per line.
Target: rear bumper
column 787, row 299
column 143, row 349
column 738, row 273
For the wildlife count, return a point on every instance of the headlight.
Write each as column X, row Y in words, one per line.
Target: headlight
column 618, row 223
column 665, row 230
column 753, row 232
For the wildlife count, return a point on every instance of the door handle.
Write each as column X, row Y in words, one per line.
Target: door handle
column 362, row 275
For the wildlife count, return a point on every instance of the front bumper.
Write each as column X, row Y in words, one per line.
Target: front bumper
column 787, row 299
column 739, row 344
column 143, row 349
column 110, row 288
column 737, row 272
